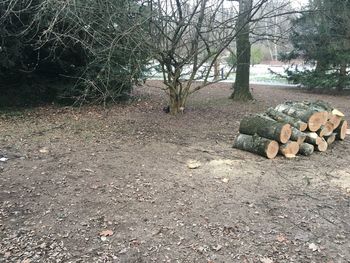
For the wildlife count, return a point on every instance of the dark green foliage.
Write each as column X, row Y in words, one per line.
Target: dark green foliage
column 317, row 80
column 322, row 39
column 90, row 51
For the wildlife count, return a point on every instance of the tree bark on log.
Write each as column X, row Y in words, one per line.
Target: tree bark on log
column 322, row 104
column 281, row 117
column 256, row 144
column 297, row 136
column 312, row 117
column 341, row 130
column 313, row 138
column 266, row 128
column 306, row 149
column 289, row 149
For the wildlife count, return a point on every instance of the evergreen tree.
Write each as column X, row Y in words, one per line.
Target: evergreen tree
column 322, row 37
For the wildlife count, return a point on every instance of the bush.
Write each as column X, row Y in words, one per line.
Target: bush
column 90, row 51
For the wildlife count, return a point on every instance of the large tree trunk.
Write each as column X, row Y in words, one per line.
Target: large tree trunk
column 177, row 102
column 241, row 86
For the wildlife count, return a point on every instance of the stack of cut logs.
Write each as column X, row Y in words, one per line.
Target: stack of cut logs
column 292, row 128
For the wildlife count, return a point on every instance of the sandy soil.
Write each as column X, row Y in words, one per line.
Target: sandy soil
column 72, row 174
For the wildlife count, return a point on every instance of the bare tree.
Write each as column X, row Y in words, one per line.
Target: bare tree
column 190, row 36
column 185, row 45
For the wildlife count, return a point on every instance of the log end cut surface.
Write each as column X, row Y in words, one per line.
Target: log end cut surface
column 302, row 126
column 322, row 147
column 316, row 120
column 341, row 130
column 272, row 149
column 286, row 132
column 335, row 119
column 290, row 149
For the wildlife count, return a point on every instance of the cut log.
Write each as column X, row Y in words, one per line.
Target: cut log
column 322, row 147
column 289, row 149
column 297, row 136
column 313, row 138
column 326, row 129
column 266, row 128
column 330, row 138
column 341, row 130
column 311, row 106
column 334, row 115
column 281, row 117
column 255, row 144
column 312, row 117
column 306, row 149
column 327, row 107
column 338, row 113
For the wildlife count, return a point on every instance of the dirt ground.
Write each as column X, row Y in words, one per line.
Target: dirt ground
column 76, row 174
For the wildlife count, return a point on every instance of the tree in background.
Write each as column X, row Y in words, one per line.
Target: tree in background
column 322, row 37
column 186, row 38
column 243, row 48
column 256, row 24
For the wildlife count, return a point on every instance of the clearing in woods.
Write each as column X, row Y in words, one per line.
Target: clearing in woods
column 89, row 185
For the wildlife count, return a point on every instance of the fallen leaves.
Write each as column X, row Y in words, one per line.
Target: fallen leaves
column 106, row 233
column 314, row 247
column 44, row 150
column 217, row 248
column 281, row 238
column 266, row 260
column 225, row 180
column 193, row 164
